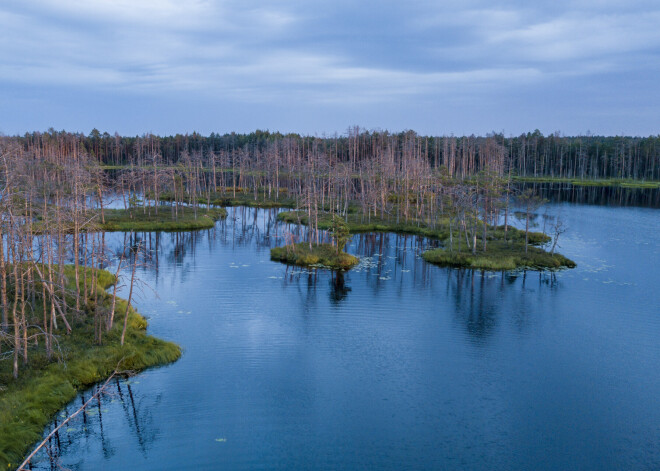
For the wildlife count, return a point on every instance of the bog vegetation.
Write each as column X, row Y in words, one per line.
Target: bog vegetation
column 61, row 191
column 56, row 189
column 59, row 329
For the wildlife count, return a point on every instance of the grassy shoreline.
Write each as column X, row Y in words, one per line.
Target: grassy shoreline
column 319, row 256
column 605, row 182
column 377, row 224
column 123, row 220
column 43, row 388
column 500, row 254
column 241, row 197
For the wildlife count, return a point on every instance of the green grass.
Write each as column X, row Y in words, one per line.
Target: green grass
column 247, row 199
column 644, row 185
column 499, row 255
column 622, row 182
column 137, row 220
column 243, row 197
column 43, row 388
column 321, row 255
column 356, row 224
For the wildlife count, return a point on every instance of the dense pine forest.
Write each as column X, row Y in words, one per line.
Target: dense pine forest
column 528, row 155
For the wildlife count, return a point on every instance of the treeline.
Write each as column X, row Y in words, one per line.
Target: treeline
column 528, row 155
column 378, row 176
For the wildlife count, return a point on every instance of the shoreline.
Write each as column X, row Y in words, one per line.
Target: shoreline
column 319, row 256
column 604, row 182
column 124, row 220
column 29, row 403
column 500, row 254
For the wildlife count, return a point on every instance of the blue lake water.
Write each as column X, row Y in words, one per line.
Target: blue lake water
column 400, row 365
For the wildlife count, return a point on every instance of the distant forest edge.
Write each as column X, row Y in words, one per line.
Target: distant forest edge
column 528, row 155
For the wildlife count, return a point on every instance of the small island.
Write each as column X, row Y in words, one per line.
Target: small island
column 501, row 248
column 499, row 256
column 159, row 218
column 318, row 256
column 236, row 196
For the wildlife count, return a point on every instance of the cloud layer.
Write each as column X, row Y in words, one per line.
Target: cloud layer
column 465, row 66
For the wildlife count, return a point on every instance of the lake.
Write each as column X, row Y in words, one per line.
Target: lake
column 398, row 364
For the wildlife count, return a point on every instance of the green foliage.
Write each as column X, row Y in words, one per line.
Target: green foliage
column 439, row 232
column 134, row 201
column 339, row 232
column 243, row 197
column 321, row 255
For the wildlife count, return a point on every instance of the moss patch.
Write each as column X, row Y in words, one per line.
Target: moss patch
column 320, row 255
column 138, row 220
column 499, row 256
column 242, row 197
column 626, row 183
column 357, row 224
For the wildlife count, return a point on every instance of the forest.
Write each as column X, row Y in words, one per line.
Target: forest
column 528, row 155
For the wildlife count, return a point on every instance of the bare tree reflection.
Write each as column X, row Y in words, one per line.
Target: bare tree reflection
column 87, row 431
column 338, row 289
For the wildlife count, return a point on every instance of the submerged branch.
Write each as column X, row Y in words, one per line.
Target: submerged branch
column 26, row 462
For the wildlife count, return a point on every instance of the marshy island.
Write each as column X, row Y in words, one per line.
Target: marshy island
column 83, row 217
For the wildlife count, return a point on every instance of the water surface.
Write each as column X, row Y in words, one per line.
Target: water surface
column 399, row 365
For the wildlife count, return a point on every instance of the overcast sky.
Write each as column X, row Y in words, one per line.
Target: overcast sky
column 318, row 66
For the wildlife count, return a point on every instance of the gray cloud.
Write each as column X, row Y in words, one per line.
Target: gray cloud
column 380, row 55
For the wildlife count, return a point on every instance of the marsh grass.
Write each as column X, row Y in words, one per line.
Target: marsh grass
column 320, row 255
column 500, row 255
column 138, row 220
column 505, row 250
column 626, row 183
column 243, row 197
column 356, row 224
column 44, row 387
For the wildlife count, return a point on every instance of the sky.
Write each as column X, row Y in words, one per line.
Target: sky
column 317, row 67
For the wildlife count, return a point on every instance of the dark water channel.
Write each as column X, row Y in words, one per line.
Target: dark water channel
column 399, row 365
